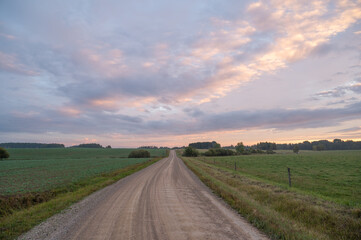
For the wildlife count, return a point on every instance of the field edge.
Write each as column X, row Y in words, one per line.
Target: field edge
column 21, row 221
column 273, row 223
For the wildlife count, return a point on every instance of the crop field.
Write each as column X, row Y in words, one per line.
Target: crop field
column 39, row 170
column 38, row 183
column 74, row 153
column 324, row 201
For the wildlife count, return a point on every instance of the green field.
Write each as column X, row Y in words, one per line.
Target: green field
column 38, row 183
column 324, row 201
column 332, row 175
column 74, row 153
column 39, row 170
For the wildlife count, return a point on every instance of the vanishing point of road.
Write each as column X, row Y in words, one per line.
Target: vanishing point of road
column 163, row 201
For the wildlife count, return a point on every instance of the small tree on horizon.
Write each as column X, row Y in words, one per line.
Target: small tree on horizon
column 240, row 147
column 3, row 153
column 140, row 153
column 190, row 152
column 296, row 149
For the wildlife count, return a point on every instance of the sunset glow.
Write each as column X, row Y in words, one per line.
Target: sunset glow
column 168, row 73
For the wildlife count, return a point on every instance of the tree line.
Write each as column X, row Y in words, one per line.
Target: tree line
column 336, row 144
column 32, row 145
column 87, row 145
column 152, row 147
column 49, row 145
column 205, row 145
column 214, row 148
column 320, row 145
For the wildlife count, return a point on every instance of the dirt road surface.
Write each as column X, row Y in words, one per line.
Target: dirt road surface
column 164, row 201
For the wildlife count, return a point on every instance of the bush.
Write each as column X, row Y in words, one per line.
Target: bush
column 269, row 151
column 190, row 152
column 249, row 151
column 3, row 153
column 219, row 152
column 296, row 149
column 139, row 154
column 240, row 147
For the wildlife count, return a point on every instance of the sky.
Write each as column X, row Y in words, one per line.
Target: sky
column 167, row 73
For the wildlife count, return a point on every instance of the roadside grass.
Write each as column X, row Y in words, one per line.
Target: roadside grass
column 19, row 221
column 279, row 211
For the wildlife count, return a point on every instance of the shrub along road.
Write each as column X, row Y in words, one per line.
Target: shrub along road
column 163, row 201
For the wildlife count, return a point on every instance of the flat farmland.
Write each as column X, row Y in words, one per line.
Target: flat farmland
column 332, row 175
column 39, row 170
column 324, row 201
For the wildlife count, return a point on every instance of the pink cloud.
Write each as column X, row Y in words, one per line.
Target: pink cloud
column 108, row 63
column 7, row 36
column 10, row 63
column 70, row 111
column 299, row 27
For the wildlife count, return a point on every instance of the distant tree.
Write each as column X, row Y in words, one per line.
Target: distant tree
column 318, row 147
column 266, row 146
column 139, row 154
column 205, row 145
column 270, row 151
column 216, row 145
column 108, row 146
column 31, row 145
column 296, row 149
column 240, row 147
column 4, row 153
column 336, row 144
column 88, row 145
column 229, row 147
column 219, row 152
column 190, row 152
column 306, row 145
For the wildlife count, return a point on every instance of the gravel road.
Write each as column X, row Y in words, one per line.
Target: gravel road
column 163, row 201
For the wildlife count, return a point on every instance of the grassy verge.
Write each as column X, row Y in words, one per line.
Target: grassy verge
column 22, row 220
column 279, row 212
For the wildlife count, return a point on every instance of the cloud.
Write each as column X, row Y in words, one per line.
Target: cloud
column 340, row 91
column 336, row 92
column 11, row 64
column 294, row 30
column 108, row 63
column 105, row 123
column 7, row 36
column 193, row 112
column 137, row 67
column 103, row 60
column 348, row 130
column 356, row 88
column 282, row 119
